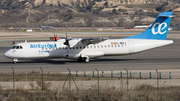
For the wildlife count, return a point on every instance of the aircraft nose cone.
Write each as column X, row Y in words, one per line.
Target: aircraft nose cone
column 6, row 54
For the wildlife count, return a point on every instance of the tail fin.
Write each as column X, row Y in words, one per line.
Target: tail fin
column 158, row 30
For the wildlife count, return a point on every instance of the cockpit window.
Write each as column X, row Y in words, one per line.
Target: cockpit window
column 14, row 47
column 17, row 47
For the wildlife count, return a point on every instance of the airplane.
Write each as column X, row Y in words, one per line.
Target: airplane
column 84, row 49
column 142, row 26
column 46, row 27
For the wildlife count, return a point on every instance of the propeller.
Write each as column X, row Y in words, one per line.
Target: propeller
column 66, row 41
column 67, row 44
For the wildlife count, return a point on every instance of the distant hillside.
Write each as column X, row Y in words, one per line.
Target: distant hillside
column 87, row 13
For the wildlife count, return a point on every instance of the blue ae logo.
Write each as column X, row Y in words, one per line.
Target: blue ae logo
column 160, row 28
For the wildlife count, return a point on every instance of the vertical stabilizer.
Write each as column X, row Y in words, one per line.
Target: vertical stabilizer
column 158, row 30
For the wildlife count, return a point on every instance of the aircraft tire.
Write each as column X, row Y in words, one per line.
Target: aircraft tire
column 83, row 59
column 80, row 59
column 15, row 61
column 86, row 59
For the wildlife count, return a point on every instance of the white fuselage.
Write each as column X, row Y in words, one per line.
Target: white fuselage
column 56, row 49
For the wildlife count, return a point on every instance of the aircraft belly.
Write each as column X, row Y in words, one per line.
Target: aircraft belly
column 93, row 54
column 72, row 54
column 90, row 54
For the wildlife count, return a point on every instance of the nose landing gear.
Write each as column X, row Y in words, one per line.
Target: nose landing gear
column 15, row 61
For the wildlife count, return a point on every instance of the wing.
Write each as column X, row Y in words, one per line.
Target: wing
column 88, row 41
column 83, row 41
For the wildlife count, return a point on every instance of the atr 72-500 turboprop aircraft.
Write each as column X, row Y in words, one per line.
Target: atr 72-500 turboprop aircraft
column 84, row 49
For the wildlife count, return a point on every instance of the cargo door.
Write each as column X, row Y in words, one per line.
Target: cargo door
column 131, row 46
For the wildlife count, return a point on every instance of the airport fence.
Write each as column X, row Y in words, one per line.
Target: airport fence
column 93, row 77
column 130, row 74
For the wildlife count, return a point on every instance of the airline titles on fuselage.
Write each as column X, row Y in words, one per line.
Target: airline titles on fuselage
column 43, row 46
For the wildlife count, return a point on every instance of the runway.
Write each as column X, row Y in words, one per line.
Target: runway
column 162, row 58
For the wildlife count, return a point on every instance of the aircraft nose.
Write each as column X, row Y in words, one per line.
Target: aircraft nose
column 6, row 54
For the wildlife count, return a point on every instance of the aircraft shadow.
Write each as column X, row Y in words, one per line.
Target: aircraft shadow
column 111, row 60
column 58, row 62
column 63, row 62
column 36, row 62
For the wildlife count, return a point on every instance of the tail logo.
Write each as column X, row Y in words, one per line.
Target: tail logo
column 160, row 28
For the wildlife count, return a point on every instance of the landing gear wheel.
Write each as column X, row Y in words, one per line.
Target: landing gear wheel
column 80, row 59
column 15, row 61
column 86, row 59
column 83, row 59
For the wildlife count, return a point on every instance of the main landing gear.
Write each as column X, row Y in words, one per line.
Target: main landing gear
column 83, row 59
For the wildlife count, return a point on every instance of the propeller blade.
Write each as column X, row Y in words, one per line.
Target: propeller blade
column 66, row 35
column 66, row 40
column 67, row 44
